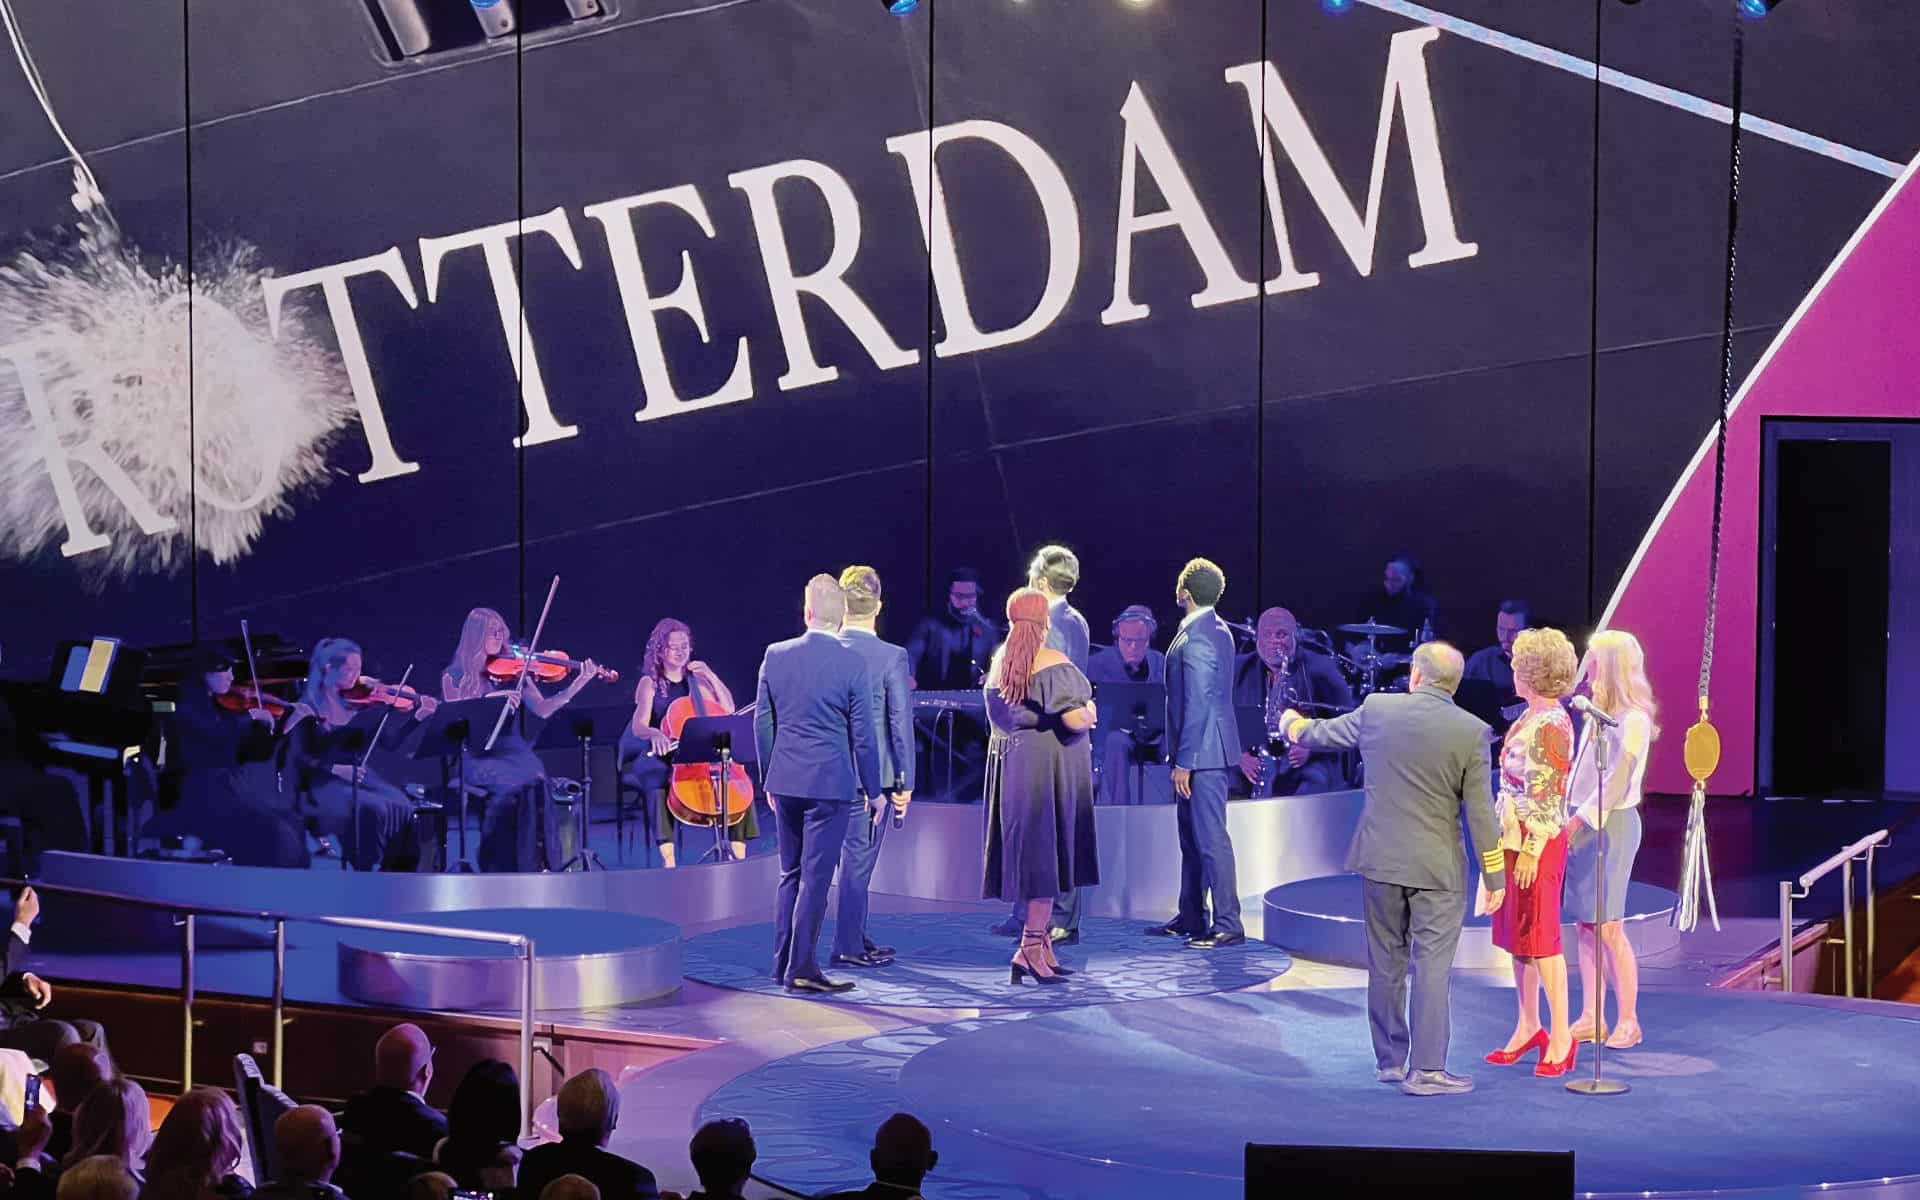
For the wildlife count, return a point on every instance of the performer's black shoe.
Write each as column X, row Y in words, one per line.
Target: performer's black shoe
column 1010, row 927
column 879, row 951
column 821, row 985
column 1064, row 937
column 1216, row 939
column 1172, row 928
column 861, row 960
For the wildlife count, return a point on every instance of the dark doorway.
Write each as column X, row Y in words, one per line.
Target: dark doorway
column 1832, row 526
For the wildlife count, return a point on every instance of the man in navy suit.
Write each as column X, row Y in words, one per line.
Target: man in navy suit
column 890, row 696
column 1203, row 745
column 813, row 727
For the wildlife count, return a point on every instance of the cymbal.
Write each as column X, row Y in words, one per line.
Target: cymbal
column 1367, row 629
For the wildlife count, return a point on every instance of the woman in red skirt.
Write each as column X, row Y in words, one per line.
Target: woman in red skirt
column 1532, row 811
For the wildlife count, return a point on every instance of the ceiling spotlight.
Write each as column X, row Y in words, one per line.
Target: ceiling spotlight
column 1337, row 6
column 900, row 7
column 1755, row 9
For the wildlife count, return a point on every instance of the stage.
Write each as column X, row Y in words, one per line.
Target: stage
column 1142, row 1077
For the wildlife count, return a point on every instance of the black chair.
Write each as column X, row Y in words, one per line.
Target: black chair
column 261, row 1104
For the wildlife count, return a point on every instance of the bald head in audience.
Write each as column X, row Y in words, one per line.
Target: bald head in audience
column 403, row 1058
column 434, row 1185
column 588, row 1108
column 308, row 1143
column 570, row 1187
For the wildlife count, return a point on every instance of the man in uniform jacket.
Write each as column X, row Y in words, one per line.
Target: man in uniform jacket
column 890, row 696
column 1426, row 774
column 813, row 728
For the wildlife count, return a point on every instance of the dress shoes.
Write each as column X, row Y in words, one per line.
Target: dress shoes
column 861, row 960
column 879, row 951
column 1216, row 939
column 1173, row 928
column 819, row 985
column 1390, row 1074
column 1064, row 937
column 1435, row 1083
column 1010, row 927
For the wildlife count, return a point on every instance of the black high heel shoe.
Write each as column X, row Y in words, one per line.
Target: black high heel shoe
column 1016, row 971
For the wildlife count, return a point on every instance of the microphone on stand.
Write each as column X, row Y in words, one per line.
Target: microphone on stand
column 1587, row 706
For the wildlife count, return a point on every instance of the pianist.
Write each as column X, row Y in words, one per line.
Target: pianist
column 48, row 806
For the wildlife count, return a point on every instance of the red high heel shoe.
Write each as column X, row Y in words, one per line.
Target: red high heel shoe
column 1563, row 1067
column 1506, row 1058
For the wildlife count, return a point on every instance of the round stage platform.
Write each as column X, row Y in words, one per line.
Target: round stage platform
column 582, row 959
column 1321, row 920
column 950, row 960
column 1159, row 1099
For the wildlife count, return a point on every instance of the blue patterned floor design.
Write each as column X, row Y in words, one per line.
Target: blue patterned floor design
column 1731, row 1091
column 949, row 960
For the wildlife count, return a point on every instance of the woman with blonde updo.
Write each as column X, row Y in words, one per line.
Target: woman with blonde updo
column 1532, row 812
column 1616, row 671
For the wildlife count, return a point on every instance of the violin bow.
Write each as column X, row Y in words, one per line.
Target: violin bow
column 526, row 665
column 382, row 726
column 253, row 670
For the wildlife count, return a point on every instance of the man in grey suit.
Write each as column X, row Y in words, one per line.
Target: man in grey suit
column 1203, row 745
column 1426, row 770
column 813, row 727
column 890, row 696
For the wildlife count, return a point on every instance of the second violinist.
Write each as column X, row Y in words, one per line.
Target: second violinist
column 509, row 839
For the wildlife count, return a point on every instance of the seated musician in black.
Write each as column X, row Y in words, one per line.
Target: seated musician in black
column 219, row 781
column 47, row 805
column 1284, row 673
column 327, row 742
column 667, row 673
column 947, row 651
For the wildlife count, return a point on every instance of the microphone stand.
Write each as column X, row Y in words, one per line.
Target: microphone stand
column 1596, row 1086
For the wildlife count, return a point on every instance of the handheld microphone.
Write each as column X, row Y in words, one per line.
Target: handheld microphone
column 1587, row 706
column 899, row 817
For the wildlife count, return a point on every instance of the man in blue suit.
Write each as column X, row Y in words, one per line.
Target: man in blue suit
column 1203, row 744
column 890, row 696
column 813, row 727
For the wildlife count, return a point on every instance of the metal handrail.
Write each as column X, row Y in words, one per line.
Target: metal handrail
column 520, row 941
column 1860, row 851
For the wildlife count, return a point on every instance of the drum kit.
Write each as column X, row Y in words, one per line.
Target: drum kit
column 1364, row 664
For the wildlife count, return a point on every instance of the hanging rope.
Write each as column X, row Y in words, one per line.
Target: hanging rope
column 1703, row 740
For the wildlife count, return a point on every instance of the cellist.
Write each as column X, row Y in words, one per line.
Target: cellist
column 507, row 843
column 667, row 673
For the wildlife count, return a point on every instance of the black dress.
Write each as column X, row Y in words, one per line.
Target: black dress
column 649, row 774
column 1040, row 839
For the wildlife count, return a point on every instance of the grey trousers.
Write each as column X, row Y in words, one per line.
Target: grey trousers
column 1417, row 927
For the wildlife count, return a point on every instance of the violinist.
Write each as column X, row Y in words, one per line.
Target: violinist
column 215, row 725
column 668, row 672
column 327, row 740
column 507, row 843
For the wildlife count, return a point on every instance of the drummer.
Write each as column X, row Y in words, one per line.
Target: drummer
column 1285, row 672
column 1401, row 603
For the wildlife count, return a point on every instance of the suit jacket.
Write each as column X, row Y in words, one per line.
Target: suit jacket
column 1426, row 772
column 1067, row 632
column 1108, row 667
column 617, row 1178
column 389, row 1119
column 813, row 720
column 890, row 696
column 1201, row 730
column 16, row 1006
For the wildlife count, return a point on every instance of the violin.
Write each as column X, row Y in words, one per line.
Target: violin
column 549, row 666
column 368, row 691
column 245, row 697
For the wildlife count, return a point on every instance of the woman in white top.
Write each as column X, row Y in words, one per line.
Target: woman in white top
column 1616, row 670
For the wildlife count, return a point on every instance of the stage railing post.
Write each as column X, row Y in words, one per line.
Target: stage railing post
column 526, row 1039
column 279, row 1001
column 1786, row 935
column 186, row 1003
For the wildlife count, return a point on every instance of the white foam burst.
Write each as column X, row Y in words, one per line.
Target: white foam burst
column 214, row 431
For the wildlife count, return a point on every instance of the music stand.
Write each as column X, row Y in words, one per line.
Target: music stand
column 1142, row 709
column 584, row 727
column 454, row 727
column 710, row 742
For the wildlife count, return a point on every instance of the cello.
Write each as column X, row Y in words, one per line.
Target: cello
column 693, row 793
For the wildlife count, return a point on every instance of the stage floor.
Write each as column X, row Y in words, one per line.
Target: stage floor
column 1158, row 1098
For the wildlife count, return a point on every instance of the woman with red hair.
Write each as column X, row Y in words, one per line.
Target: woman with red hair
column 1039, row 792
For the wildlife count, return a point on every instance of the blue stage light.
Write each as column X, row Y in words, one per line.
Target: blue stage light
column 901, row 7
column 1755, row 9
column 1337, row 6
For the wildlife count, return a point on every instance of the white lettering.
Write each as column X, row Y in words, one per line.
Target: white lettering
column 826, row 283
column 616, row 217
column 60, row 453
column 1062, row 216
column 1406, row 89
column 492, row 240
column 333, row 285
